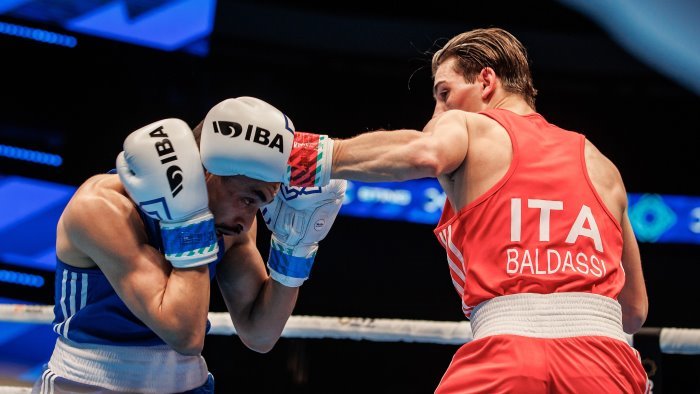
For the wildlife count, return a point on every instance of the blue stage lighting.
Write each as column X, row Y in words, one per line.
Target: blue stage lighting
column 13, row 152
column 21, row 278
column 40, row 35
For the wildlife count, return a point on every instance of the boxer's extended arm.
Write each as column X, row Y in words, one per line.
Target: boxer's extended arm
column 404, row 154
column 259, row 306
column 172, row 302
column 633, row 297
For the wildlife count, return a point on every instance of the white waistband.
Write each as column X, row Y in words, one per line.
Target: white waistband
column 139, row 369
column 556, row 315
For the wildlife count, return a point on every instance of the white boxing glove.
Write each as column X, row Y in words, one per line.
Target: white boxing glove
column 299, row 218
column 247, row 136
column 161, row 170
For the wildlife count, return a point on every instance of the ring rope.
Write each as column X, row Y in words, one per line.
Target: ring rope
column 671, row 340
column 15, row 390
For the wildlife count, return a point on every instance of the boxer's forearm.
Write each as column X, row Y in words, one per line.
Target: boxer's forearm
column 180, row 318
column 260, row 318
column 384, row 156
column 269, row 315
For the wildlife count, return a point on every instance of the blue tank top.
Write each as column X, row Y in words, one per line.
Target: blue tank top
column 88, row 310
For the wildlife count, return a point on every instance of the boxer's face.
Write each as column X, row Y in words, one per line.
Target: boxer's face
column 452, row 91
column 234, row 201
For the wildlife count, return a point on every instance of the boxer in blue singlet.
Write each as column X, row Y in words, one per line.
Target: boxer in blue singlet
column 137, row 249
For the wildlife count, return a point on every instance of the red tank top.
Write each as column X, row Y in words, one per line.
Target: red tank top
column 541, row 229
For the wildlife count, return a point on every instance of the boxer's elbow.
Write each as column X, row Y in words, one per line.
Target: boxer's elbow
column 262, row 348
column 427, row 160
column 187, row 342
column 188, row 346
column 632, row 324
column 259, row 343
column 633, row 317
column 427, row 167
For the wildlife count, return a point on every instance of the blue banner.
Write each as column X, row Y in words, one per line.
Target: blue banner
column 418, row 201
column 665, row 218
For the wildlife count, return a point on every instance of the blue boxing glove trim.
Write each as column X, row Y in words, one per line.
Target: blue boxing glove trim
column 289, row 270
column 191, row 243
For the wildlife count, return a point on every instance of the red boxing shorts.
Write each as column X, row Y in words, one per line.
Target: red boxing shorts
column 517, row 364
column 546, row 343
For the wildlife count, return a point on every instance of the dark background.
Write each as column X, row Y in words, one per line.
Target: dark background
column 343, row 69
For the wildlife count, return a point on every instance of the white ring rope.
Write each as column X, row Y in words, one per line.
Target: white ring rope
column 15, row 390
column 679, row 341
column 671, row 340
column 359, row 328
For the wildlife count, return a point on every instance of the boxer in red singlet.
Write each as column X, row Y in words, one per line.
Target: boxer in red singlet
column 536, row 230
